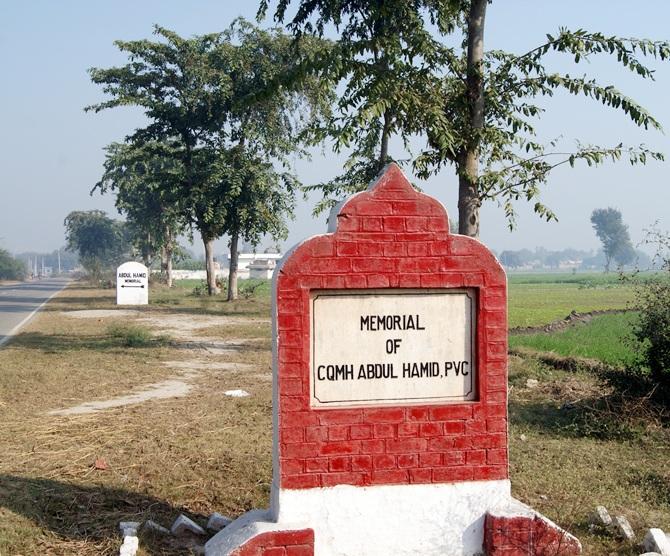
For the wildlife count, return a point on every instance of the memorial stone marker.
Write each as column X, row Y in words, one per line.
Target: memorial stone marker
column 390, row 394
column 132, row 284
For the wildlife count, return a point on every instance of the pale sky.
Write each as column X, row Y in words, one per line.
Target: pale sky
column 51, row 152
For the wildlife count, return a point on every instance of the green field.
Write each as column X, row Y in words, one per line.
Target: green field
column 606, row 338
column 538, row 299
column 534, row 299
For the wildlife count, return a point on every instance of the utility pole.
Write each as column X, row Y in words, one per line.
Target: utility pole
column 59, row 261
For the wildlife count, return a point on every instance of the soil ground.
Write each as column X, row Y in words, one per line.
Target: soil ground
column 66, row 480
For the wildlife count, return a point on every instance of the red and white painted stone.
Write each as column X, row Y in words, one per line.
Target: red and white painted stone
column 368, row 462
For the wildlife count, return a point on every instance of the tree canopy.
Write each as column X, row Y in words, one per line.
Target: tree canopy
column 478, row 110
column 101, row 242
column 145, row 180
column 213, row 101
column 11, row 268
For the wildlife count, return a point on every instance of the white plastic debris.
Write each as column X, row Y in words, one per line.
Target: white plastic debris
column 130, row 545
column 532, row 383
column 183, row 524
column 153, row 527
column 656, row 541
column 217, row 522
column 237, row 393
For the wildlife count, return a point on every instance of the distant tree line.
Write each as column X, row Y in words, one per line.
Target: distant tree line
column 610, row 230
column 541, row 258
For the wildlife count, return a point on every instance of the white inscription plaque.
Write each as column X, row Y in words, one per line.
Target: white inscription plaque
column 381, row 347
column 132, row 284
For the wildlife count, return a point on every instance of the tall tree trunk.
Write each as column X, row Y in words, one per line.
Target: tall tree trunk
column 169, row 249
column 384, row 150
column 232, row 271
column 212, row 288
column 146, row 251
column 164, row 263
column 468, row 163
column 168, row 266
column 468, row 197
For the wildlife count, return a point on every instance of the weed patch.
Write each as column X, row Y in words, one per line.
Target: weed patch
column 136, row 336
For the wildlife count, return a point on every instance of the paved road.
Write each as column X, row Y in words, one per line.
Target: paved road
column 19, row 302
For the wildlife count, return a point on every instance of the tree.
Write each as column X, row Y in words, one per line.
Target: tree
column 382, row 48
column 268, row 124
column 257, row 200
column 184, row 90
column 613, row 234
column 146, row 182
column 100, row 241
column 477, row 109
column 10, row 267
column 652, row 327
column 206, row 96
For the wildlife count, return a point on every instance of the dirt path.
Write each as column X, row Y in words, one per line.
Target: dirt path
column 185, row 332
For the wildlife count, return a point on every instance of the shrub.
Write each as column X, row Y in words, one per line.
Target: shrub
column 652, row 330
column 11, row 268
column 136, row 336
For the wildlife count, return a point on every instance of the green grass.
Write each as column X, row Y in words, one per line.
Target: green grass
column 585, row 278
column 534, row 299
column 539, row 303
column 605, row 338
column 132, row 335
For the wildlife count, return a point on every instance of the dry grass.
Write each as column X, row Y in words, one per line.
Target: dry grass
column 576, row 443
column 207, row 452
column 199, row 454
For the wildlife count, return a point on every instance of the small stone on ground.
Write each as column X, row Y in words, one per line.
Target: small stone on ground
column 532, row 383
column 153, row 527
column 623, row 527
column 130, row 545
column 601, row 517
column 183, row 524
column 217, row 522
column 129, row 528
column 237, row 393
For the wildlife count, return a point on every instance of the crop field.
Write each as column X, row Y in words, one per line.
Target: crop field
column 606, row 338
column 538, row 299
column 69, row 475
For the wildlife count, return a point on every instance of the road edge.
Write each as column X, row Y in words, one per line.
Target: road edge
column 14, row 330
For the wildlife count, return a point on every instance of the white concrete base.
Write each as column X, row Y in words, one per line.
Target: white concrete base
column 243, row 529
column 431, row 519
